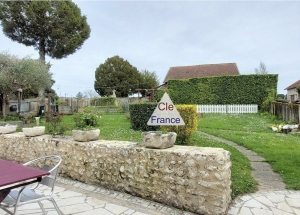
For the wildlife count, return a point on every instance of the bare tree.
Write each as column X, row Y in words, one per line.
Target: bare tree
column 262, row 69
column 90, row 94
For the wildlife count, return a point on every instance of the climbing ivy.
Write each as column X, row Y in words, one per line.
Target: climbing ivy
column 241, row 89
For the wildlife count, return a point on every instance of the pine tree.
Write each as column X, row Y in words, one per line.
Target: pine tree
column 54, row 28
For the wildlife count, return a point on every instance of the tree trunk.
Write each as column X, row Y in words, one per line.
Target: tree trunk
column 3, row 105
column 42, row 58
column 19, row 103
column 42, row 50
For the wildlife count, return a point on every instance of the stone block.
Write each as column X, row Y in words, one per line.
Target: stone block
column 8, row 129
column 158, row 140
column 85, row 136
column 34, row 131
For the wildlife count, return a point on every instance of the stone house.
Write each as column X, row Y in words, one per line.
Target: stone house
column 292, row 94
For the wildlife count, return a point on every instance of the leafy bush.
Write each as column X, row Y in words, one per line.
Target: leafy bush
column 11, row 118
column 86, row 117
column 280, row 96
column 266, row 105
column 54, row 125
column 140, row 114
column 298, row 89
column 62, row 102
column 189, row 115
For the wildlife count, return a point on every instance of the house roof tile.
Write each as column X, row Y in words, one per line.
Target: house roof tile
column 294, row 85
column 185, row 72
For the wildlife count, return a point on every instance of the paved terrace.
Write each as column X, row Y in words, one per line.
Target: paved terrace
column 78, row 198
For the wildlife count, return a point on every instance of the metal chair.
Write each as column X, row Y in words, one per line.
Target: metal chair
column 28, row 195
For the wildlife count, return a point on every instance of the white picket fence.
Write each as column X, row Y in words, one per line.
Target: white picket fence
column 250, row 108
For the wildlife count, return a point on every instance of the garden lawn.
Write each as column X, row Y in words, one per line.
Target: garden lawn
column 252, row 131
column 117, row 127
column 114, row 126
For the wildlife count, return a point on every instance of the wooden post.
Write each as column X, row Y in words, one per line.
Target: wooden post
column 19, row 101
column 48, row 95
column 298, row 114
column 138, row 94
column 72, row 105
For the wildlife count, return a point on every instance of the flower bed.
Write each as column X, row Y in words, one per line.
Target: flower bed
column 285, row 128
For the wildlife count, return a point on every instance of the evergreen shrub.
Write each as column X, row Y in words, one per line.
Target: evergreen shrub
column 239, row 89
column 159, row 94
column 140, row 114
column 189, row 115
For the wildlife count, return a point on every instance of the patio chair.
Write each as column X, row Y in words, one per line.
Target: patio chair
column 29, row 194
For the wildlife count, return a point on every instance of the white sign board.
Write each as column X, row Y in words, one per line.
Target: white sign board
column 165, row 113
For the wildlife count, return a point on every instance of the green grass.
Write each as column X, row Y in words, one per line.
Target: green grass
column 252, row 131
column 115, row 126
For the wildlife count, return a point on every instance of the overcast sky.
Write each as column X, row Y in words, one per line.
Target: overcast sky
column 157, row 35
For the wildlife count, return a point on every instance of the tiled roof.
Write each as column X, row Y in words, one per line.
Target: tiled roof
column 294, row 85
column 185, row 72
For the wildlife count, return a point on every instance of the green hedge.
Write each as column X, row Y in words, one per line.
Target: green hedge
column 158, row 94
column 189, row 115
column 140, row 114
column 241, row 89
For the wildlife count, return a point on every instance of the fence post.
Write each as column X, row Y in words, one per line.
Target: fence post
column 298, row 114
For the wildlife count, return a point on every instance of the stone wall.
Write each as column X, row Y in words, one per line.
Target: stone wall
column 189, row 178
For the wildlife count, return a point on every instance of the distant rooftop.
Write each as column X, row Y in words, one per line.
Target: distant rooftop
column 185, row 72
column 294, row 85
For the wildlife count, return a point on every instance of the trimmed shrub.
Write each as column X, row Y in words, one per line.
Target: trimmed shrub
column 189, row 115
column 240, row 89
column 158, row 94
column 140, row 114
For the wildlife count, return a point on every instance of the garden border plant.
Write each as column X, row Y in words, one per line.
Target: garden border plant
column 86, row 118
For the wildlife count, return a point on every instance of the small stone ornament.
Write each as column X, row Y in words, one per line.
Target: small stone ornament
column 158, row 140
column 85, row 135
column 8, row 129
column 34, row 131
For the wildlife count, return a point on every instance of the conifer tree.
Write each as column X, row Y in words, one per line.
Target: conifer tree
column 54, row 28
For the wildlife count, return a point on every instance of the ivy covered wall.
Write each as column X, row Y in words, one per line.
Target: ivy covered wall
column 241, row 89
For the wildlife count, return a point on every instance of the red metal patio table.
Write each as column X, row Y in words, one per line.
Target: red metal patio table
column 13, row 175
